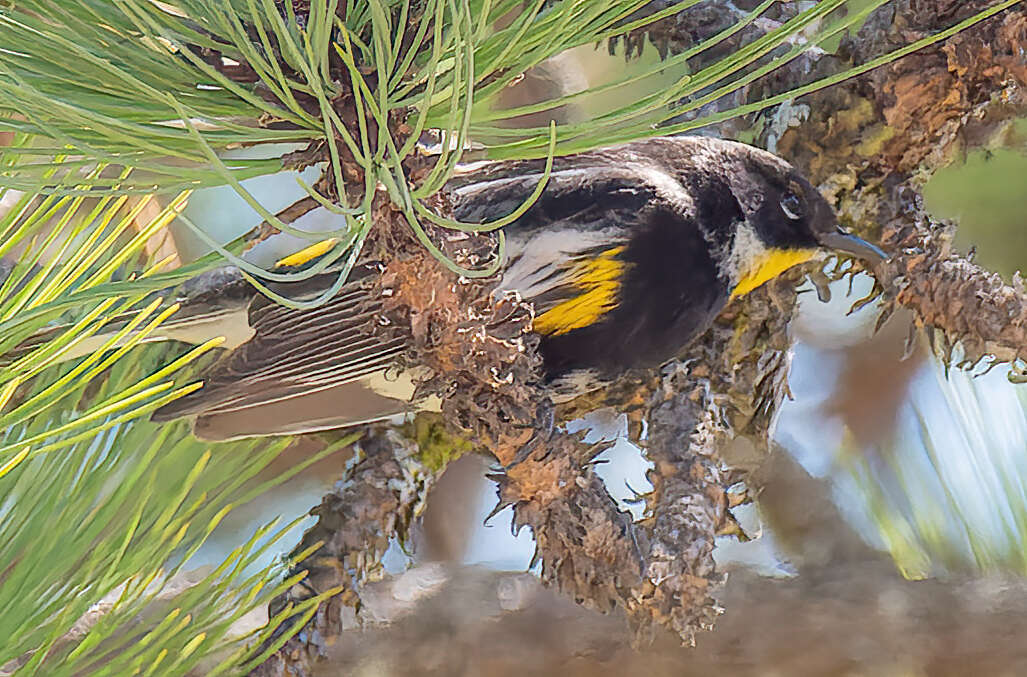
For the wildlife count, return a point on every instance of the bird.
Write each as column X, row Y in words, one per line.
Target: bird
column 627, row 255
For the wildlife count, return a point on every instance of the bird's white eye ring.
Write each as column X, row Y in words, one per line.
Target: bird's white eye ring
column 791, row 206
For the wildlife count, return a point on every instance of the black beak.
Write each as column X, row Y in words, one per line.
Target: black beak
column 848, row 243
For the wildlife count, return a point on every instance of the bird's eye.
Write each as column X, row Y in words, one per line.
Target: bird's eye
column 791, row 206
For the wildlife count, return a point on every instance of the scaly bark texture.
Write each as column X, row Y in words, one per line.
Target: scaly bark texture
column 485, row 368
column 972, row 308
column 376, row 503
column 873, row 141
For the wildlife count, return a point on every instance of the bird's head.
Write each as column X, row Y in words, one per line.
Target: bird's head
column 787, row 220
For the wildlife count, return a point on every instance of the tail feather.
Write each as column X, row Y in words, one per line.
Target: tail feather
column 231, row 324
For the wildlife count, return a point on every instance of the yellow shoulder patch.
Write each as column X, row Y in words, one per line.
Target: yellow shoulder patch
column 599, row 280
column 308, row 254
column 769, row 265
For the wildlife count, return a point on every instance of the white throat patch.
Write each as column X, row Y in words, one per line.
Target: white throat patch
column 746, row 248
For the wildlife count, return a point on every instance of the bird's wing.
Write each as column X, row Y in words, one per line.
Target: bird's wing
column 295, row 354
column 567, row 243
column 297, row 360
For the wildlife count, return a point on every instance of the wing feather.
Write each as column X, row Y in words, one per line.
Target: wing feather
column 590, row 205
column 297, row 352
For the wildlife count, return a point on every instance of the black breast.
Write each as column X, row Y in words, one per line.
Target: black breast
column 671, row 292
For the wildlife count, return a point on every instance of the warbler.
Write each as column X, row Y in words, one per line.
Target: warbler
column 627, row 256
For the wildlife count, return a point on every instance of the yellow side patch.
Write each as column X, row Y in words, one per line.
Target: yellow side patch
column 599, row 280
column 310, row 253
column 772, row 263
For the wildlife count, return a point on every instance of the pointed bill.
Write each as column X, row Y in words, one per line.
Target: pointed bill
column 848, row 243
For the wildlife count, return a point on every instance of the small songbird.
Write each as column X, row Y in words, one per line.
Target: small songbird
column 627, row 256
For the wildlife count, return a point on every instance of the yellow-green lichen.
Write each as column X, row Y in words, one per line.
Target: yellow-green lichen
column 437, row 445
column 874, row 139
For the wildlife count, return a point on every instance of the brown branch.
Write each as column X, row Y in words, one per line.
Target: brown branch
column 686, row 510
column 378, row 501
column 951, row 293
column 264, row 229
column 481, row 351
column 843, row 620
column 847, row 609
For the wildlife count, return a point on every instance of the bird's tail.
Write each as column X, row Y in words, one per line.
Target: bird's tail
column 211, row 305
column 195, row 328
